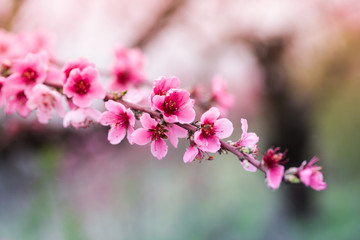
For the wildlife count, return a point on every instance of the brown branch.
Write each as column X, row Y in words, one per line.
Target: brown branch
column 8, row 23
column 191, row 128
column 161, row 21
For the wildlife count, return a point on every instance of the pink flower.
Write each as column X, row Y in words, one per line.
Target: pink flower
column 44, row 99
column 193, row 152
column 81, row 117
column 311, row 176
column 156, row 133
column 80, row 63
column 54, row 77
column 174, row 133
column 2, row 79
column 274, row 173
column 248, row 140
column 36, row 41
column 7, row 43
column 176, row 106
column 120, row 120
column 162, row 86
column 29, row 71
column 128, row 68
column 212, row 129
column 220, row 95
column 83, row 86
column 15, row 99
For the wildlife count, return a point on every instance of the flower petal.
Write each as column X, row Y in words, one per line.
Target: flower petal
column 274, row 176
column 107, row 118
column 190, row 154
column 176, row 132
column 210, row 115
column 159, row 148
column 223, row 128
column 141, row 136
column 115, row 107
column 116, row 134
column 147, row 121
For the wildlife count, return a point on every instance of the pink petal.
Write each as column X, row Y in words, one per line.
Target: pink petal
column 159, row 148
column 176, row 132
column 249, row 167
column 249, row 140
column 131, row 117
column 210, row 115
column 223, row 128
column 115, row 107
column 44, row 115
column 59, row 108
column 244, row 126
column 82, row 101
column 158, row 102
column 313, row 161
column 147, row 121
column 274, row 176
column 187, row 114
column 90, row 73
column 211, row 144
column 130, row 130
column 141, row 136
column 190, row 154
column 69, row 85
column 317, row 182
column 170, row 118
column 97, row 90
column 305, row 176
column 107, row 118
column 116, row 134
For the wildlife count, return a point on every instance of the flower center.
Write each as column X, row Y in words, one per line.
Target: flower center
column 170, row 106
column 207, row 129
column 29, row 76
column 122, row 119
column 21, row 98
column 123, row 77
column 48, row 101
column 82, row 87
column 158, row 132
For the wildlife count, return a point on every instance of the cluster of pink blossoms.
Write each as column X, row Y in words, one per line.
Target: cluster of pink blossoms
column 33, row 82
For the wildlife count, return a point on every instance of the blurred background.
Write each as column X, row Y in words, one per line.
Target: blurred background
column 294, row 69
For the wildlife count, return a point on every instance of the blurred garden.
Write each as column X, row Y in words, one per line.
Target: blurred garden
column 291, row 68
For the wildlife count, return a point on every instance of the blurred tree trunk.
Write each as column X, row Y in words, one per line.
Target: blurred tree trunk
column 288, row 119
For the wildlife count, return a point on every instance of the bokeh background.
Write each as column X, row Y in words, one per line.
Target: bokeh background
column 294, row 69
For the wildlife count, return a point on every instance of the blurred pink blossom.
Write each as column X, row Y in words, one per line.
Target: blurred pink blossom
column 16, row 99
column 44, row 99
column 79, row 63
column 29, row 71
column 219, row 94
column 128, row 68
column 81, row 117
column 83, row 86
column 311, row 176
